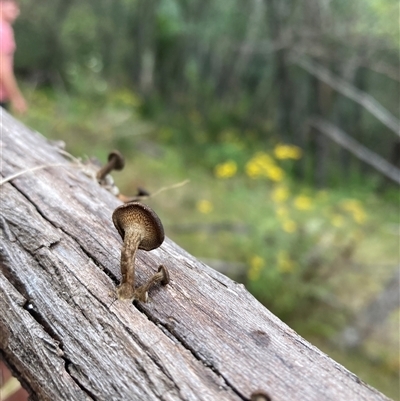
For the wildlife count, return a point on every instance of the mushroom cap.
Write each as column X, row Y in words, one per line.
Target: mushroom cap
column 260, row 395
column 165, row 280
column 136, row 214
column 142, row 192
column 119, row 161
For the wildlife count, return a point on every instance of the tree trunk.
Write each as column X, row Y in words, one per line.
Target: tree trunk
column 278, row 12
column 66, row 336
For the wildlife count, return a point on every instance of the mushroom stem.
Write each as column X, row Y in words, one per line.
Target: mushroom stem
column 131, row 243
column 162, row 275
column 106, row 169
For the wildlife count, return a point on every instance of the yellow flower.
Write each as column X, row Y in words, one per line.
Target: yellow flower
column 303, row 202
column 225, row 170
column 262, row 165
column 289, row 226
column 264, row 158
column 356, row 209
column 280, row 194
column 275, row 173
column 125, row 97
column 258, row 164
column 256, row 263
column 252, row 170
column 285, row 264
column 282, row 211
column 204, row 206
column 337, row 220
column 282, row 152
column 359, row 216
column 350, row 204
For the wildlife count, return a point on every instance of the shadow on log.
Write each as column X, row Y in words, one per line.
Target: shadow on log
column 66, row 337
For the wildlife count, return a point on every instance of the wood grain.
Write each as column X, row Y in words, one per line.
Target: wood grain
column 66, row 337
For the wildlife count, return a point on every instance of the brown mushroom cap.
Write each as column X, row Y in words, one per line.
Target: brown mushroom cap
column 136, row 214
column 118, row 159
column 165, row 280
column 260, row 395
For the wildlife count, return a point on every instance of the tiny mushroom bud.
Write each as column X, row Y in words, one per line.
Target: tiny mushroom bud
column 162, row 276
column 141, row 193
column 140, row 228
column 115, row 162
column 260, row 395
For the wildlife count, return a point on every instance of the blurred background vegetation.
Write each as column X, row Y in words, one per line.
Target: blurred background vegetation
column 222, row 93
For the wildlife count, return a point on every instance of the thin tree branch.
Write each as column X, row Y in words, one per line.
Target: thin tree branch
column 29, row 170
column 346, row 89
column 382, row 68
column 358, row 150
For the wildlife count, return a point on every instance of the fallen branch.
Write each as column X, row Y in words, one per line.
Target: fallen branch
column 65, row 336
column 346, row 89
column 358, row 150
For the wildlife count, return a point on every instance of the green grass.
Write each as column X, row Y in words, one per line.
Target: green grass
column 314, row 260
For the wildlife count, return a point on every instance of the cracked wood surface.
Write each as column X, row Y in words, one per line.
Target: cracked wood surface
column 66, row 337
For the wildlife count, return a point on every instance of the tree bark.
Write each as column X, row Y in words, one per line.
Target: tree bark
column 66, row 337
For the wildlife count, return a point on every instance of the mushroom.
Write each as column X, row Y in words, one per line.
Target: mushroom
column 260, row 395
column 115, row 162
column 141, row 294
column 140, row 228
column 141, row 193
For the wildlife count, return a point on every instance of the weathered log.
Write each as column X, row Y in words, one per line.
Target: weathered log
column 66, row 337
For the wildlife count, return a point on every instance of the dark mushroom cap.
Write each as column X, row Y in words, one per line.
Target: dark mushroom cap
column 144, row 219
column 260, row 395
column 165, row 280
column 142, row 192
column 117, row 158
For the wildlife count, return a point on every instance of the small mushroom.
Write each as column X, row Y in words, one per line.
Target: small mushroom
column 260, row 395
column 140, row 228
column 115, row 162
column 162, row 276
column 141, row 193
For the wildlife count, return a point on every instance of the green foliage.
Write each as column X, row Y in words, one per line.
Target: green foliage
column 379, row 21
column 204, row 67
column 78, row 34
